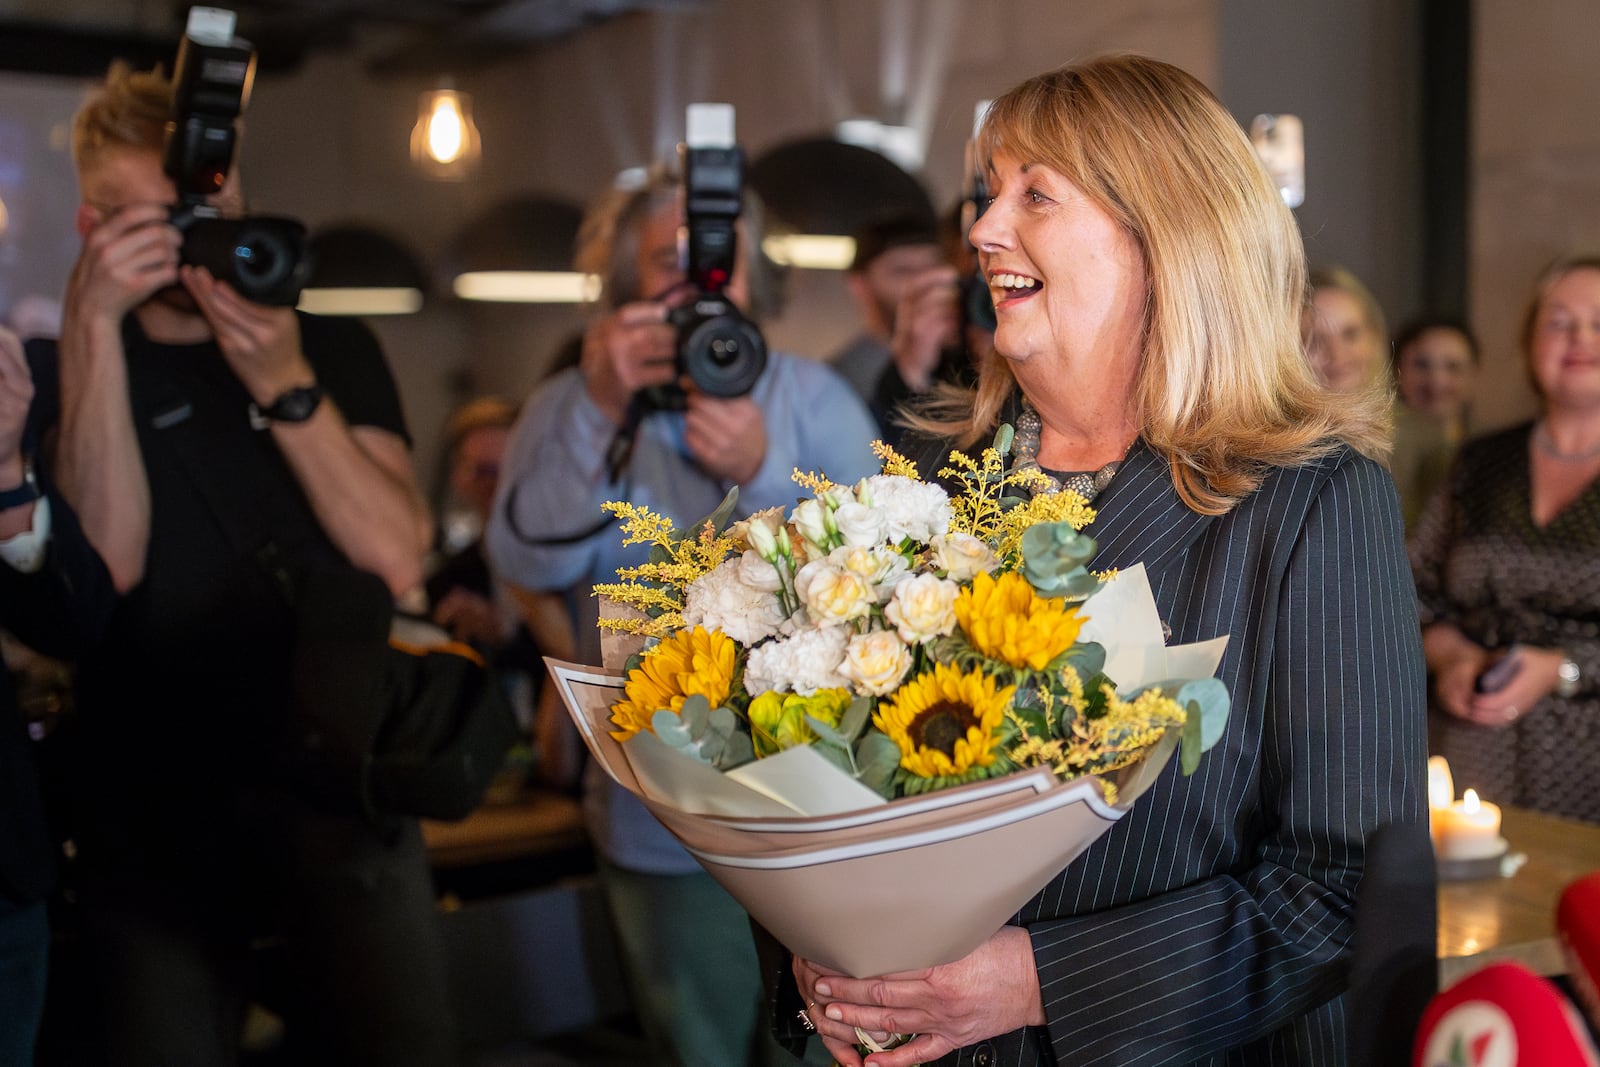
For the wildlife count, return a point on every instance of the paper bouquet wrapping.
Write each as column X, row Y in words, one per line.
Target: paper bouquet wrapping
column 868, row 886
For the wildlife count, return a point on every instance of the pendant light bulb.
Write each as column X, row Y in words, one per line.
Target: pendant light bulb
column 444, row 142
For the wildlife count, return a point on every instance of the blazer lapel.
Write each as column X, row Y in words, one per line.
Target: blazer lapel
column 1139, row 517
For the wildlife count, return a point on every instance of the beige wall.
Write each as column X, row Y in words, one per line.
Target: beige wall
column 1535, row 173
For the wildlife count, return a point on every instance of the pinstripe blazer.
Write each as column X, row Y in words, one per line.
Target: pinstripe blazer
column 1212, row 924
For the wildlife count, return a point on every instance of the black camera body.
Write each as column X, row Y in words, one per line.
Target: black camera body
column 265, row 257
column 720, row 350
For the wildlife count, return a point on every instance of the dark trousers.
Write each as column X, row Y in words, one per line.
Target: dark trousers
column 353, row 923
column 24, row 955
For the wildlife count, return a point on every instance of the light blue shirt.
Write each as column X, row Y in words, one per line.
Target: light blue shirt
column 555, row 482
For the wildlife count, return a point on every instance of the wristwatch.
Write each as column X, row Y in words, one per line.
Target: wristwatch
column 26, row 493
column 293, row 405
column 1568, row 678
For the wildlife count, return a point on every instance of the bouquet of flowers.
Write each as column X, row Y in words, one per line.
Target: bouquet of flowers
column 895, row 675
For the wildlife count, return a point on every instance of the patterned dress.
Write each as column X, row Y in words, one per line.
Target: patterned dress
column 1482, row 564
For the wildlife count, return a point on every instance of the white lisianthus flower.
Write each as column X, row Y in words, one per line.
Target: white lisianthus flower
column 881, row 566
column 860, row 525
column 962, row 556
column 833, row 595
column 757, row 573
column 718, row 600
column 914, row 509
column 876, row 662
column 810, row 518
column 804, row 663
column 923, row 608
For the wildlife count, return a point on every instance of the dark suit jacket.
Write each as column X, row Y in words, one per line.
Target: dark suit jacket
column 1212, row 924
column 54, row 610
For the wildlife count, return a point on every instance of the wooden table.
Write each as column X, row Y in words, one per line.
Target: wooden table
column 537, row 821
column 1514, row 918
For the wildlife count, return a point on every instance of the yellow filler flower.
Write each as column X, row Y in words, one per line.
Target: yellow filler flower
column 690, row 661
column 947, row 724
column 1005, row 619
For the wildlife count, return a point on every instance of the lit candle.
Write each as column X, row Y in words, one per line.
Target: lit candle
column 1468, row 829
column 1441, row 794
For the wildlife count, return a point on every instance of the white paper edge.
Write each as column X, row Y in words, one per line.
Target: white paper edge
column 944, row 798
column 565, row 674
column 800, row 779
column 1082, row 791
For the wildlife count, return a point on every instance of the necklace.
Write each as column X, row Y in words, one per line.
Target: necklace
column 1541, row 437
column 1025, row 446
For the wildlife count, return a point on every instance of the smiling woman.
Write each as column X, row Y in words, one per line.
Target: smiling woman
column 1148, row 285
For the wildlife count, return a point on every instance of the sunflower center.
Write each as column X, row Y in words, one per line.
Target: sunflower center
column 940, row 725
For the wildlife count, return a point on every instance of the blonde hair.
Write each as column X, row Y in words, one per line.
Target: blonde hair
column 130, row 109
column 1223, row 391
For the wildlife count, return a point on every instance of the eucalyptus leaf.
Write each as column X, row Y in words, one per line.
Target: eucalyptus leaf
column 1212, row 698
column 877, row 758
column 671, row 729
column 1053, row 558
column 828, row 733
column 736, row 752
column 718, row 518
column 855, row 717
column 1003, row 438
column 696, row 710
column 835, row 755
column 1088, row 658
column 1192, row 747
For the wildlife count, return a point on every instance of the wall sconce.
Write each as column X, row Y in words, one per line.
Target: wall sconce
column 360, row 271
column 520, row 252
column 444, row 142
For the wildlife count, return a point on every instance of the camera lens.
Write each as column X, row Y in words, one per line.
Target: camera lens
column 724, row 355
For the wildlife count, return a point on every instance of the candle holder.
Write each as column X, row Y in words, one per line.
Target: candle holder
column 1472, row 868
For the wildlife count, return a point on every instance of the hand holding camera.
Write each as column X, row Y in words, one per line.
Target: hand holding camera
column 630, row 350
column 129, row 255
column 926, row 322
column 265, row 258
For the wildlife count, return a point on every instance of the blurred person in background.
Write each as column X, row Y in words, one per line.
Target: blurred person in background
column 1507, row 579
column 1346, row 343
column 52, row 587
column 1436, row 370
column 686, row 946
column 187, row 415
column 906, row 292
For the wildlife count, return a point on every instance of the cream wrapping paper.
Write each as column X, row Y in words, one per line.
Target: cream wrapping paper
column 870, row 887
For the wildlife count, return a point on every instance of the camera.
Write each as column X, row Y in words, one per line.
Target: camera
column 266, row 258
column 718, row 348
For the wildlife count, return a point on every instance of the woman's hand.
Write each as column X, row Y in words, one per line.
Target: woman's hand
column 1455, row 680
column 994, row 990
column 1534, row 680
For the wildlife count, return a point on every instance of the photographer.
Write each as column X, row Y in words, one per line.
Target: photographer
column 187, row 413
column 685, row 944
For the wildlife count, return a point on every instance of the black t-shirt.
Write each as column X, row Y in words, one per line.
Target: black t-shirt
column 182, row 699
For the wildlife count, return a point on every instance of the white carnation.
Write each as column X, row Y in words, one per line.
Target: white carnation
column 923, row 608
column 804, row 663
column 718, row 600
column 757, row 573
column 914, row 509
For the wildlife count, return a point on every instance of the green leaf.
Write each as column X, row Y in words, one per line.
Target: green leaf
column 839, row 757
column 1088, row 658
column 671, row 729
column 828, row 733
column 718, row 518
column 1191, row 738
column 877, row 758
column 1053, row 559
column 696, row 710
column 1003, row 438
column 737, row 751
column 1212, row 698
column 855, row 717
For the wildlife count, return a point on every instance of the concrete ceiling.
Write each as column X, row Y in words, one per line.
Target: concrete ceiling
column 79, row 37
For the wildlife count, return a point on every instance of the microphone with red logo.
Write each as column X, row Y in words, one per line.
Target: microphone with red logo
column 1503, row 1015
column 1578, row 926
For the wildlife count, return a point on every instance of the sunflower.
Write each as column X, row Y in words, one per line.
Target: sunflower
column 690, row 661
column 950, row 727
column 1005, row 619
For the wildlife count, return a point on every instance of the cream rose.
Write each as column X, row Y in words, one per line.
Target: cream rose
column 876, row 662
column 962, row 556
column 833, row 595
column 923, row 608
column 859, row 525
